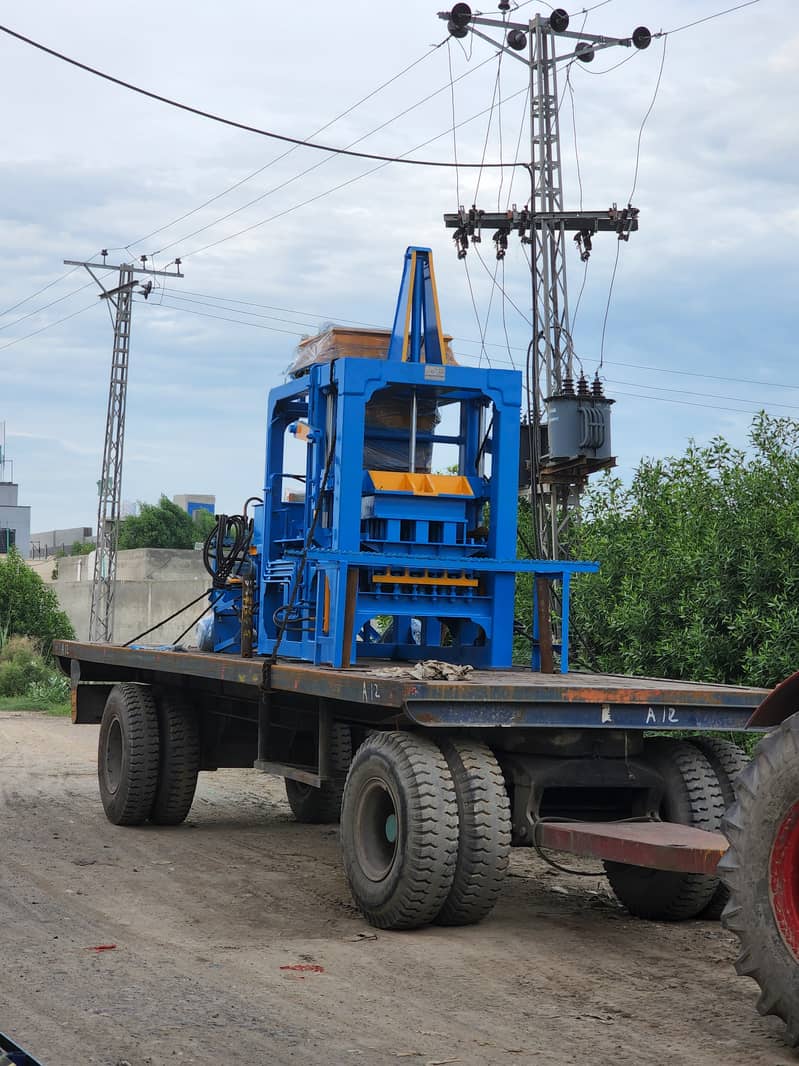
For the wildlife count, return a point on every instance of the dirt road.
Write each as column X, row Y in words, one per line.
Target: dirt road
column 206, row 918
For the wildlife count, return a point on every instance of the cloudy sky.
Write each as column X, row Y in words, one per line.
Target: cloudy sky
column 702, row 321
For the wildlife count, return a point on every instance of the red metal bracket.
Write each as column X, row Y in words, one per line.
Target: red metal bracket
column 656, row 845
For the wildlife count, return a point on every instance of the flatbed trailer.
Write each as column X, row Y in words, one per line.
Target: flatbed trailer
column 569, row 745
column 359, row 645
column 435, row 779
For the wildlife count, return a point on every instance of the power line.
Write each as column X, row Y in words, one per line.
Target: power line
column 32, row 296
column 707, row 18
column 454, row 126
column 708, row 395
column 253, row 314
column 308, row 170
column 283, row 155
column 298, row 141
column 49, row 325
column 44, row 307
column 688, row 403
column 237, row 321
column 757, row 404
column 587, row 70
column 318, row 316
column 643, row 121
column 607, row 305
column 341, row 185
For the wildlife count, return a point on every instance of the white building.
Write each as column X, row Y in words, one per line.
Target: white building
column 15, row 521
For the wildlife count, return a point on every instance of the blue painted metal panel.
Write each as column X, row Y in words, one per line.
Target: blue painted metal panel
column 453, row 555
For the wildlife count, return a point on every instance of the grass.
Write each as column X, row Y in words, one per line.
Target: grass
column 26, row 703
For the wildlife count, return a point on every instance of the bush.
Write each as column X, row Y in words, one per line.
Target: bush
column 49, row 693
column 699, row 563
column 28, row 607
column 21, row 666
column 161, row 525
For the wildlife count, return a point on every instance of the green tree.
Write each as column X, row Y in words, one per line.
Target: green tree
column 161, row 525
column 204, row 522
column 699, row 563
column 28, row 607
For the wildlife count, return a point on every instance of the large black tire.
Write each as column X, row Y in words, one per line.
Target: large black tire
column 399, row 830
column 318, row 806
column 179, row 762
column 127, row 758
column 483, row 834
column 761, row 871
column 692, row 797
column 727, row 760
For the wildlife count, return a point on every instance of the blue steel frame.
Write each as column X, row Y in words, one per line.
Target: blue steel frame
column 438, row 559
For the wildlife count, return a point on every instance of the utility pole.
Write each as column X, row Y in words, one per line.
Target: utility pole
column 567, row 432
column 101, row 617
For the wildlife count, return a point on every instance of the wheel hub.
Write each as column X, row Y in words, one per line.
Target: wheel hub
column 784, row 880
column 376, row 830
column 113, row 756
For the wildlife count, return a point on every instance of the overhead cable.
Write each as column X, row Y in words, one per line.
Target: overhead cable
column 707, row 18
column 317, row 316
column 283, row 155
column 44, row 307
column 336, row 188
column 299, row 141
column 49, row 325
column 308, row 170
column 33, row 295
column 757, row 404
column 643, row 121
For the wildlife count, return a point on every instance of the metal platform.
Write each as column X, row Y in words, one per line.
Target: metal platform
column 486, row 699
column 655, row 845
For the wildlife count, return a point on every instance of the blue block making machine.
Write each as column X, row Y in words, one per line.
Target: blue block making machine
column 382, row 557
column 360, row 645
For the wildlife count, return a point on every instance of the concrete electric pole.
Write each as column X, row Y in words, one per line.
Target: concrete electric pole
column 567, row 434
column 101, row 617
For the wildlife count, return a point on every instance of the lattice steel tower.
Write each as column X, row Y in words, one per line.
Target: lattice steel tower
column 109, row 487
column 568, row 427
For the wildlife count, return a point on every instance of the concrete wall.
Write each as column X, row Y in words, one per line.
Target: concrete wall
column 151, row 584
column 50, row 541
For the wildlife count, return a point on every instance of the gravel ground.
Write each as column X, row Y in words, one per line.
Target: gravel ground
column 204, row 926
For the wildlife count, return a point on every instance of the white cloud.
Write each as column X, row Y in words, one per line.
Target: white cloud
column 706, row 284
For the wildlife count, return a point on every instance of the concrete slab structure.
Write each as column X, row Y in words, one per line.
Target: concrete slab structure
column 152, row 583
column 51, row 541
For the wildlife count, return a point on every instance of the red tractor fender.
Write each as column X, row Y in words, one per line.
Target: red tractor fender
column 781, row 703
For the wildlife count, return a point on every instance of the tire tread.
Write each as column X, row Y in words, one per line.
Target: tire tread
column 484, row 832
column 432, row 834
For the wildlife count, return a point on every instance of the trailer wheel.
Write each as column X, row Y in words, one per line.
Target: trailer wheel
column 127, row 758
column 761, row 871
column 318, row 806
column 399, row 830
column 483, row 835
column 692, row 797
column 727, row 760
column 179, row 761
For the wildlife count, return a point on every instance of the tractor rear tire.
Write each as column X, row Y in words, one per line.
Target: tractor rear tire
column 483, row 835
column 127, row 757
column 399, row 830
column 761, row 872
column 179, row 761
column 692, row 797
column 728, row 760
column 322, row 805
